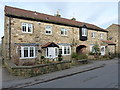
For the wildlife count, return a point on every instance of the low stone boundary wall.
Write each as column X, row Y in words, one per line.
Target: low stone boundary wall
column 36, row 69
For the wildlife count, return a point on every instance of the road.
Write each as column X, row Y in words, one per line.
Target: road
column 105, row 77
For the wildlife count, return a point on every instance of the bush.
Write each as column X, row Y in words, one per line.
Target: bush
column 59, row 55
column 74, row 55
column 82, row 56
column 60, row 58
column 42, row 57
column 91, row 53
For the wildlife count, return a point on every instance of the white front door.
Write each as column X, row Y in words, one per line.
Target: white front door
column 52, row 52
column 102, row 50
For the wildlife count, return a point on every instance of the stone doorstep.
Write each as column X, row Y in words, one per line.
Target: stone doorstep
column 47, row 78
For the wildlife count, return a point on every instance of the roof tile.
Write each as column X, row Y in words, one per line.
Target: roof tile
column 49, row 18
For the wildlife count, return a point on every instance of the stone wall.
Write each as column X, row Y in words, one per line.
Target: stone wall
column 29, row 71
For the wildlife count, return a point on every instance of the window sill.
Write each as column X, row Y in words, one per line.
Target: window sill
column 65, row 54
column 64, row 35
column 27, row 32
column 84, row 35
column 28, row 58
column 48, row 34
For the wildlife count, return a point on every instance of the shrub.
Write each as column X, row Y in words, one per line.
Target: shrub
column 60, row 58
column 91, row 53
column 74, row 55
column 82, row 56
column 96, row 48
column 42, row 57
column 59, row 55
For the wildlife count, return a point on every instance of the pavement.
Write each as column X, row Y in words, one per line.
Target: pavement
column 9, row 81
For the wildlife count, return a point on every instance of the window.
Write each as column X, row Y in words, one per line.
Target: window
column 93, row 34
column 27, row 28
column 48, row 30
column 64, row 32
column 101, row 35
column 64, row 50
column 28, row 52
column 60, row 50
column 84, row 32
column 46, row 52
column 56, row 52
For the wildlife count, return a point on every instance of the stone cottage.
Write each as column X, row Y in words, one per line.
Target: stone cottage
column 113, row 35
column 28, row 35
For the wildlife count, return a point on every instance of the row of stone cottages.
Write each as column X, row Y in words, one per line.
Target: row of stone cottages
column 29, row 35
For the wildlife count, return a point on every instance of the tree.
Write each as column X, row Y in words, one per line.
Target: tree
column 96, row 48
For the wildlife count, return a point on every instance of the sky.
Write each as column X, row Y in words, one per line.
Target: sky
column 99, row 12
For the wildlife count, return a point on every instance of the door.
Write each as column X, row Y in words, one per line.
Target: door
column 52, row 53
column 102, row 50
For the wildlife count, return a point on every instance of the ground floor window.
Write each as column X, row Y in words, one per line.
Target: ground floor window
column 28, row 52
column 64, row 50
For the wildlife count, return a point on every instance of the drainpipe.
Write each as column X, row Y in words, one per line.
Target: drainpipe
column 9, row 28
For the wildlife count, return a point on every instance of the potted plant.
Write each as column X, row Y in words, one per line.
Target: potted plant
column 60, row 58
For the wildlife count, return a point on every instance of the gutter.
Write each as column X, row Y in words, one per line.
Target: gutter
column 9, row 28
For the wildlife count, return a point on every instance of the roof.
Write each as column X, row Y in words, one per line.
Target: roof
column 116, row 24
column 50, row 44
column 21, row 13
column 108, row 42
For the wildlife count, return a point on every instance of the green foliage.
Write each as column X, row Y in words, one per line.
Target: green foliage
column 79, row 56
column 59, row 55
column 91, row 53
column 96, row 48
column 42, row 57
column 82, row 56
column 74, row 55
column 60, row 58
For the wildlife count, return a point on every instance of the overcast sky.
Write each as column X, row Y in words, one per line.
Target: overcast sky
column 100, row 13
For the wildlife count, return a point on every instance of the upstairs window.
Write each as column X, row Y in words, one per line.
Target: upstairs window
column 93, row 34
column 64, row 32
column 48, row 30
column 84, row 32
column 101, row 35
column 27, row 28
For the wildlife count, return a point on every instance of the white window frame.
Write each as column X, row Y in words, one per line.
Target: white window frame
column 63, row 47
column 93, row 34
column 101, row 35
column 49, row 30
column 27, row 26
column 22, row 52
column 65, row 32
column 84, row 31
